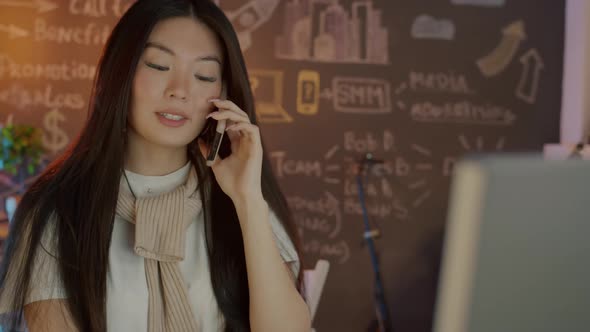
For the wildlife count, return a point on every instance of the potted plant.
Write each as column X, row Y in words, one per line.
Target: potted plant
column 21, row 150
column 21, row 154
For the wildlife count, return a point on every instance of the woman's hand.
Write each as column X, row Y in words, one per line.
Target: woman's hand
column 239, row 174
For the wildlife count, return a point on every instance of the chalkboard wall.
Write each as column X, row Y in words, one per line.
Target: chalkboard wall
column 417, row 83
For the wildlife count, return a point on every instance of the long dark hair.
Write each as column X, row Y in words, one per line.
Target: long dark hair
column 79, row 190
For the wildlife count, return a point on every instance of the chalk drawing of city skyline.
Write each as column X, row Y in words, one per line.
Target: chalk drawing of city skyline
column 324, row 31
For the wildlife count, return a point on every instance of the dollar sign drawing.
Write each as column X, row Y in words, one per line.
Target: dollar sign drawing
column 54, row 138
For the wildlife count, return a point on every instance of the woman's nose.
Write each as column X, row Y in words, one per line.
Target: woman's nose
column 178, row 88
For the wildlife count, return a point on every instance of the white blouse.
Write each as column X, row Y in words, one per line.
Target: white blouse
column 127, row 292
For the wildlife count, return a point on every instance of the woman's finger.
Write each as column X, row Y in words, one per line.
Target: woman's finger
column 234, row 136
column 224, row 114
column 230, row 105
column 250, row 130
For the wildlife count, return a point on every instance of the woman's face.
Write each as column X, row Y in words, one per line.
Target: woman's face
column 179, row 71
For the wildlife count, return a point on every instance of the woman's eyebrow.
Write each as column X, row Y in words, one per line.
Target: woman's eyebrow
column 163, row 48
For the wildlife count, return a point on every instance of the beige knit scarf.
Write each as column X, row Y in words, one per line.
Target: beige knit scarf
column 160, row 229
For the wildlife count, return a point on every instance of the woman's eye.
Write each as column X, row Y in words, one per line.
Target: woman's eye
column 155, row 66
column 205, row 78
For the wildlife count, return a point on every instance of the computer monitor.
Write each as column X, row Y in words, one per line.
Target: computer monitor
column 516, row 252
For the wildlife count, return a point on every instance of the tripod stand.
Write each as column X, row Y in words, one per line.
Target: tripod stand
column 382, row 323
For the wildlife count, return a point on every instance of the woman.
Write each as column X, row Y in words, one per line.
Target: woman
column 130, row 230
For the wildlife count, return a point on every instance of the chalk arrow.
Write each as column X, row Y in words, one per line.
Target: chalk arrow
column 42, row 6
column 530, row 77
column 13, row 31
column 495, row 62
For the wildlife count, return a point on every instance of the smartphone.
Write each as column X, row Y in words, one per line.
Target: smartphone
column 308, row 92
column 214, row 131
